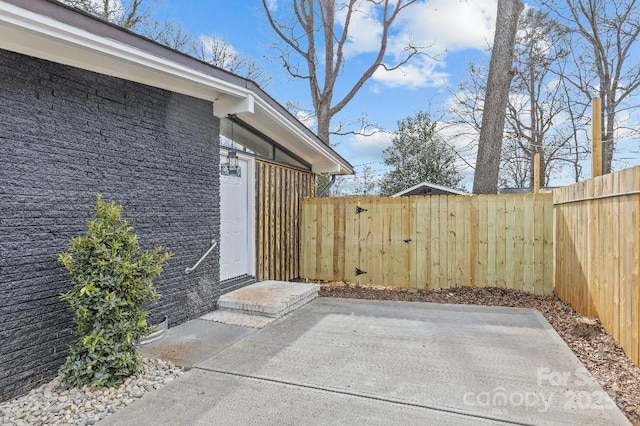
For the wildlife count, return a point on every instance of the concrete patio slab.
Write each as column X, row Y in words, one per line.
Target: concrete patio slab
column 387, row 362
column 237, row 318
column 195, row 341
column 206, row 398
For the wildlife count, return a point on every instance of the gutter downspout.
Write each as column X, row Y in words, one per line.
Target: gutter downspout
column 327, row 187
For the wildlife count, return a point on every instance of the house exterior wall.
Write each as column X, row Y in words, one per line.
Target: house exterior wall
column 65, row 135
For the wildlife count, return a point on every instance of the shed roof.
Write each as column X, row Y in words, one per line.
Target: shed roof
column 50, row 30
column 430, row 185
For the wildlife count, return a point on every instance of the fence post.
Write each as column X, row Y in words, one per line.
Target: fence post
column 596, row 139
column 536, row 174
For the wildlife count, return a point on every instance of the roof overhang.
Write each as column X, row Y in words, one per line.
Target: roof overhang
column 54, row 32
column 270, row 122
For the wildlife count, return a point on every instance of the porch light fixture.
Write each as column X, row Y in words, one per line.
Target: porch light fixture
column 232, row 160
column 231, row 168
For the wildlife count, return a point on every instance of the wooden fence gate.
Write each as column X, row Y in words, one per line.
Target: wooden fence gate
column 430, row 242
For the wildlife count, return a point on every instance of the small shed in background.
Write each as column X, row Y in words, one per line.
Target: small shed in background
column 428, row 188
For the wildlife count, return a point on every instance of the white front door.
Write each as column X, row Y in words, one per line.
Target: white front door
column 236, row 221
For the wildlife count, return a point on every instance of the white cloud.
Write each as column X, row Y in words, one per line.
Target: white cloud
column 461, row 137
column 519, row 101
column 210, row 42
column 420, row 73
column 438, row 27
column 305, row 118
column 447, row 25
column 217, row 51
column 365, row 29
column 272, row 5
column 363, row 149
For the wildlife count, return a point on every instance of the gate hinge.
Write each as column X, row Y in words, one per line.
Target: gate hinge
column 360, row 272
column 360, row 210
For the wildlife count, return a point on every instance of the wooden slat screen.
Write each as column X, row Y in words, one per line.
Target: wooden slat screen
column 279, row 190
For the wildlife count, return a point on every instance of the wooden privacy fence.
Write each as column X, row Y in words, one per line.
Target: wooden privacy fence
column 597, row 253
column 430, row 242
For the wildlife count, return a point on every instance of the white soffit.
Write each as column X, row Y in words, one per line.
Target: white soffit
column 277, row 127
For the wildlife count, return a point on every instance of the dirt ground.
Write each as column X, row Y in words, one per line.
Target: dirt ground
column 595, row 348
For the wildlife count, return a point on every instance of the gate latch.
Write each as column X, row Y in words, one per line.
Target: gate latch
column 360, row 210
column 360, row 272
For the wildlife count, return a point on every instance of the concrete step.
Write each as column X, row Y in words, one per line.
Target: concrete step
column 258, row 304
column 227, row 286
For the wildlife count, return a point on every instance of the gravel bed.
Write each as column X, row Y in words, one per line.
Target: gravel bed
column 595, row 348
column 55, row 403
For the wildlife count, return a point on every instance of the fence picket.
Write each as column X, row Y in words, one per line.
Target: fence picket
column 423, row 242
column 482, row 243
column 351, row 240
column 450, row 238
column 427, row 242
column 597, row 251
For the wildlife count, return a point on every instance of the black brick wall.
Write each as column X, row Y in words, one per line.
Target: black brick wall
column 66, row 134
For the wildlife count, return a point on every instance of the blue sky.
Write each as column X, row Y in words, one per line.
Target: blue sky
column 457, row 31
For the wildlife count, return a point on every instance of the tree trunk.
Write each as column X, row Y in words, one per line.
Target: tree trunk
column 495, row 104
column 324, row 123
column 607, row 138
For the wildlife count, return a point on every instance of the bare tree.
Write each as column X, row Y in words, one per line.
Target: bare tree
column 539, row 103
column 468, row 101
column 318, row 30
column 169, row 33
column 361, row 126
column 541, row 117
column 128, row 14
column 515, row 166
column 465, row 113
column 495, row 105
column 466, row 110
column 365, row 182
column 220, row 53
column 132, row 15
column 606, row 66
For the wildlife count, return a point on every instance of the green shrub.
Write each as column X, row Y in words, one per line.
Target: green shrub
column 112, row 281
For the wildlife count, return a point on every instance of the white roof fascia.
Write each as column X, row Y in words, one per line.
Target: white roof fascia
column 33, row 34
